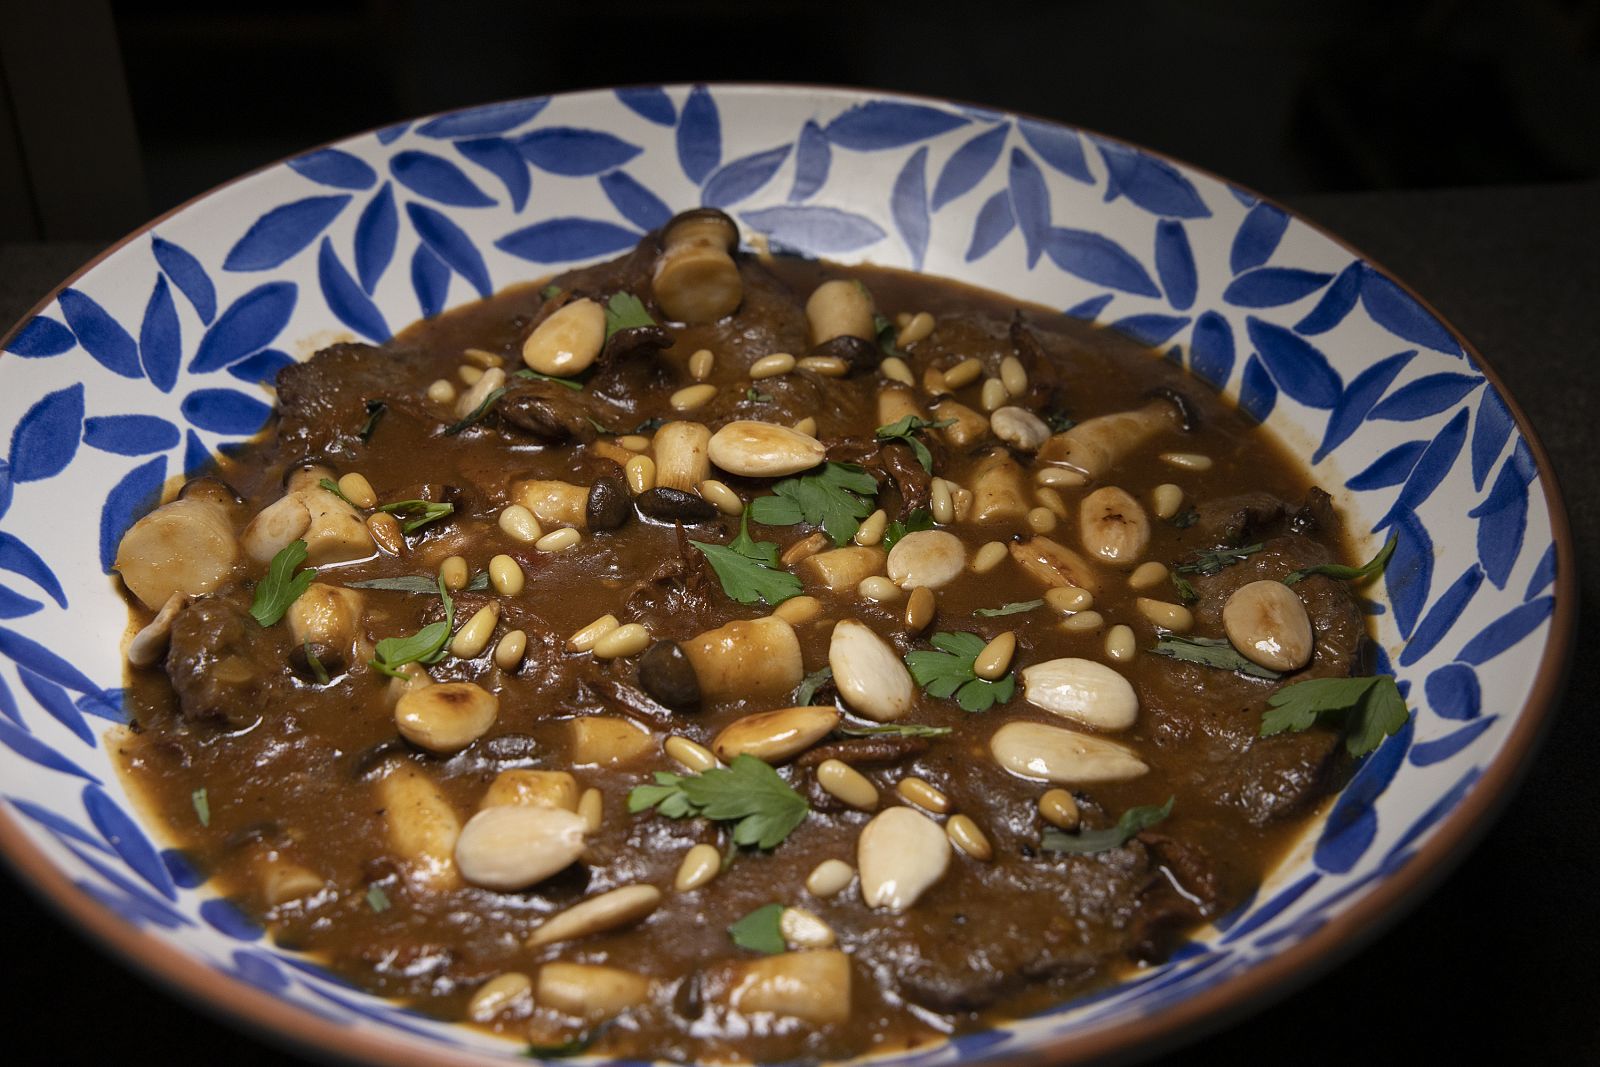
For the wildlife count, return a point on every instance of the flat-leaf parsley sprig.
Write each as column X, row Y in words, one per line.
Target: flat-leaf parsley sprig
column 1369, row 708
column 836, row 498
column 748, row 569
column 948, row 672
column 747, row 792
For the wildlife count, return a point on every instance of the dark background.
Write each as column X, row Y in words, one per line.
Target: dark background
column 1456, row 142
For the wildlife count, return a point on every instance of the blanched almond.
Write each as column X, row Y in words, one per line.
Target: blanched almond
column 512, row 846
column 589, row 990
column 446, row 718
column 1065, row 757
column 931, row 558
column 869, row 675
column 764, row 449
column 1019, row 428
column 1081, row 690
column 1267, row 622
column 901, row 853
column 1054, row 564
column 812, row 986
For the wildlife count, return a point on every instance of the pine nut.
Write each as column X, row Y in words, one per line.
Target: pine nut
column 634, row 442
column 469, row 374
column 1165, row 500
column 453, row 572
column 473, row 637
column 1068, row 599
column 902, row 319
column 920, row 609
column 700, row 364
column 897, row 370
column 829, row 878
column 609, row 910
column 500, row 994
column 846, row 783
column 993, row 395
column 1059, row 809
column 872, row 528
column 386, row 533
column 989, row 557
column 923, row 795
column 505, row 574
column 804, row 548
column 518, row 523
column 358, row 490
column 940, row 502
column 1189, row 461
column 1047, row 496
column 965, row 835
column 692, row 396
column 719, row 494
column 558, row 540
column 691, row 754
column 441, row 391
column 1059, row 476
column 933, row 382
column 1174, row 617
column 995, row 658
column 878, row 589
column 807, row 426
column 1148, row 575
column 629, row 640
column 592, row 809
column 509, row 652
column 799, row 609
column 700, row 864
column 771, row 366
column 1120, row 644
column 964, row 373
column 920, row 326
column 583, row 640
column 1083, row 622
column 827, row 366
column 482, row 358
column 1014, row 375
column 641, row 473
column 1041, row 520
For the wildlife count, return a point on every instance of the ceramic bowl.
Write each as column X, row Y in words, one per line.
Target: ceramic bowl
column 153, row 358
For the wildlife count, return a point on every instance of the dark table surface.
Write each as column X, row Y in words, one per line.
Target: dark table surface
column 1502, row 961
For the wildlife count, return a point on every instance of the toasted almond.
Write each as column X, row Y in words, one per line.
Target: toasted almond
column 598, row 914
column 931, row 558
column 775, row 736
column 1267, row 622
column 512, row 846
column 764, row 449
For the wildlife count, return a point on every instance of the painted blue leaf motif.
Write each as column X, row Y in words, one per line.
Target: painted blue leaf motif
column 41, row 337
column 1299, row 368
column 1175, row 264
column 335, row 167
column 128, row 499
column 259, row 970
column 100, row 334
column 376, row 231
column 1391, row 468
column 56, row 824
column 485, row 120
column 196, row 456
column 224, row 916
column 8, row 704
column 430, row 278
column 1211, row 351
column 565, row 239
column 880, row 124
column 1271, row 909
column 812, row 158
column 1489, row 435
column 1030, row 204
column 908, row 201
column 225, row 411
column 1265, row 287
column 451, row 245
column 7, row 488
column 345, row 298
column 1335, row 303
column 1409, row 574
column 188, row 275
column 437, row 179
column 1151, row 329
column 34, row 656
column 33, row 750
column 283, row 231
column 637, row 204
column 815, row 229
column 1153, row 184
column 575, row 152
column 500, row 157
column 1098, row 259
column 1258, row 394
column 123, row 835
column 1426, row 396
column 46, row 437
column 1432, row 467
column 1089, row 309
column 651, row 103
column 57, row 704
column 967, row 166
column 699, row 135
column 739, row 179
column 250, row 324
column 1257, row 238
column 1441, row 749
column 1352, row 823
column 1059, row 147
column 1543, row 575
column 133, row 910
column 106, row 704
column 184, row 874
column 391, row 134
column 160, row 338
column 994, row 222
column 14, row 605
column 1364, row 391
column 1454, row 693
column 129, row 435
column 1502, row 522
column 1398, row 312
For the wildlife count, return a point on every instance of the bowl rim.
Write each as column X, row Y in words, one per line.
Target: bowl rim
column 1373, row 912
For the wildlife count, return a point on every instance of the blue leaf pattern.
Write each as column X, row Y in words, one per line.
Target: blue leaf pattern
column 1257, row 238
column 1409, row 574
column 484, row 120
column 1434, row 463
column 817, row 230
column 284, row 231
column 1352, row 823
column 994, row 222
column 1089, row 309
column 968, row 165
column 742, row 178
column 1396, row 311
column 430, row 279
column 35, row 751
column 42, row 336
column 1432, row 752
column 1426, row 396
column 225, row 411
column 7, row 487
column 346, row 299
column 699, row 135
column 31, row 654
column 1454, row 693
column 331, row 166
column 812, row 160
column 100, row 334
column 189, row 276
column 500, row 157
column 1153, row 184
column 1266, row 287
column 566, row 240
column 881, row 124
column 1502, row 521
column 376, row 232
column 391, row 134
column 18, row 558
column 1099, row 259
column 261, row 368
column 651, row 103
column 1258, row 395
column 46, row 438
column 1352, row 407
column 196, row 456
column 1211, row 351
column 1506, row 631
column 161, row 338
column 54, row 700
column 1299, row 368
column 575, row 152
column 908, row 202
column 1030, row 204
column 1151, row 329
column 1335, row 303
column 129, row 435
column 1544, row 575
column 1175, row 264
column 123, row 835
column 14, row 605
column 1391, row 468
column 1489, row 435
column 451, row 245
column 437, row 179
column 635, row 203
column 128, row 499
column 250, row 324
column 1059, row 147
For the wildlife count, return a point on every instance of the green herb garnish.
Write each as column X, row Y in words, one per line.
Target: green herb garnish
column 948, row 672
column 1215, row 560
column 377, row 899
column 761, row 930
column 885, row 331
column 1133, row 821
column 1370, row 569
column 1059, row 422
column 419, row 583
column 202, row 806
column 806, row 691
column 318, row 671
column 1185, row 588
column 748, row 570
column 1014, row 608
column 1371, row 708
column 920, row 519
column 748, row 792
column 550, row 292
column 624, row 311
column 424, row 646
column 894, row 729
column 422, row 512
column 756, row 396
column 476, row 413
column 1210, row 652
column 569, row 383
column 375, row 411
column 333, row 487
column 906, row 430
column 837, row 497
column 282, row 586
column 1185, row 519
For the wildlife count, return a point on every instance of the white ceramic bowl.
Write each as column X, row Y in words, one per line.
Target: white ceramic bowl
column 151, row 358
